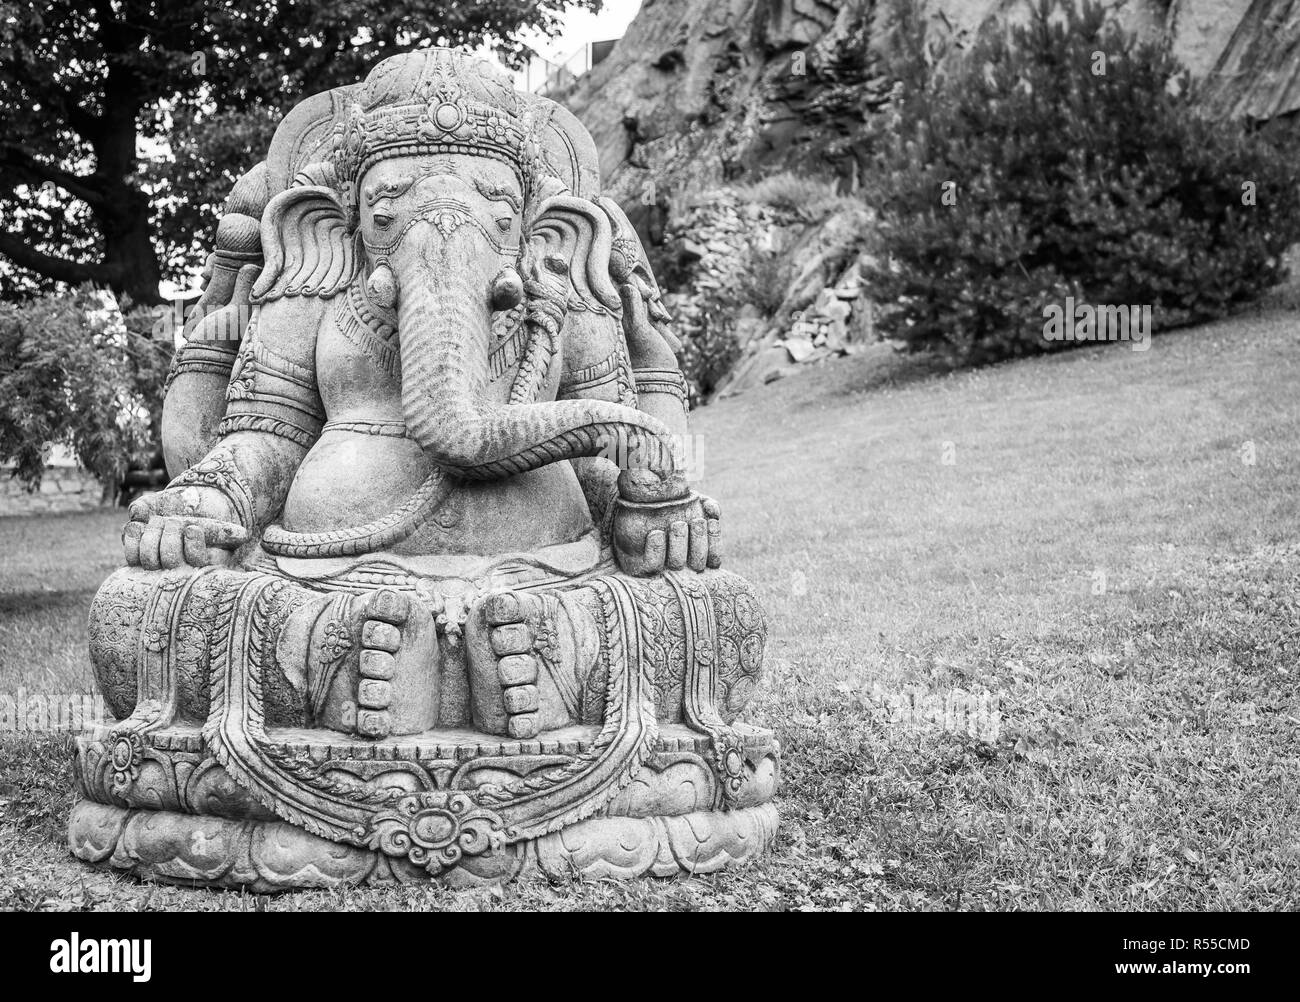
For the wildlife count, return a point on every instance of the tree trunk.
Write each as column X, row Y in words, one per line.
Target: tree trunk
column 130, row 261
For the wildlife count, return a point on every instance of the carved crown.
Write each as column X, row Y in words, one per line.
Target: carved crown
column 433, row 101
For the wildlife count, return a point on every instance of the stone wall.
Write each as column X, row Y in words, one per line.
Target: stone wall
column 793, row 275
column 63, row 488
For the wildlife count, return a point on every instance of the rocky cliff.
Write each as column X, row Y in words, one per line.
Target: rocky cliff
column 702, row 96
column 701, row 92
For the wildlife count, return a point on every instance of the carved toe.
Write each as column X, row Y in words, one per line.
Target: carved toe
column 517, row 669
column 374, row 693
column 523, row 726
column 380, row 636
column 378, row 664
column 513, row 638
column 505, row 607
column 389, row 606
column 521, row 699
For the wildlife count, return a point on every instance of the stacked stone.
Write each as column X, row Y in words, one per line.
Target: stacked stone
column 62, row 489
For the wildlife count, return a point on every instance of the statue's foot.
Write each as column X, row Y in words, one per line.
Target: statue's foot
column 393, row 685
column 514, row 621
column 524, row 663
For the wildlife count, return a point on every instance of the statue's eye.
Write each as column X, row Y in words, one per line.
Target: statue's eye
column 504, row 223
column 382, row 219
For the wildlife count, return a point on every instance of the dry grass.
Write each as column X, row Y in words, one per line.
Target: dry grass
column 811, row 198
column 1147, row 754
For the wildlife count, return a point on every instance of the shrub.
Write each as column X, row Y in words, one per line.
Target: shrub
column 809, row 198
column 74, row 371
column 711, row 341
column 1073, row 177
column 710, row 347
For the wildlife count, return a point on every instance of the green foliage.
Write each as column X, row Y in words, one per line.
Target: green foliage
column 711, row 342
column 1111, row 187
column 709, row 349
column 195, row 87
column 77, row 373
column 810, row 198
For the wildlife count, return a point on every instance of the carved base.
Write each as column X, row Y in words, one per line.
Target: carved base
column 264, row 856
column 160, row 807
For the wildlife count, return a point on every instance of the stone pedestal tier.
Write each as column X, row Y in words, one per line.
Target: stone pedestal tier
column 163, row 809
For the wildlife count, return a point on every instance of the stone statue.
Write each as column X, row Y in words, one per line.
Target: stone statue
column 431, row 595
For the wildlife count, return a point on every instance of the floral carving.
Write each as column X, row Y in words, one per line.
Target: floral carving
column 126, row 757
column 436, row 830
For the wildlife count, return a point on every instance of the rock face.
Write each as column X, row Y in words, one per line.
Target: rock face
column 698, row 92
column 1257, row 73
column 703, row 99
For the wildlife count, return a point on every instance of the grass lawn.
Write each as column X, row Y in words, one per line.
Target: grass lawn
column 1103, row 545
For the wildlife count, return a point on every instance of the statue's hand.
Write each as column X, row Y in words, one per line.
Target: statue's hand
column 182, row 526
column 650, row 538
column 222, row 311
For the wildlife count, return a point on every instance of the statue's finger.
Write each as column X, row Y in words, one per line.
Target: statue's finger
column 656, row 547
column 141, row 509
column 171, row 546
column 225, row 535
column 711, row 508
column 244, row 282
column 195, row 546
column 715, row 543
column 678, row 544
column 131, row 533
column 220, row 283
column 699, row 547
column 234, row 317
column 149, row 541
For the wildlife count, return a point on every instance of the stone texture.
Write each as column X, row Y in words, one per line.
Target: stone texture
column 63, row 488
column 430, row 594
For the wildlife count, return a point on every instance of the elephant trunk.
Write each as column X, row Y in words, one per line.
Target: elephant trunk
column 444, row 323
column 445, row 329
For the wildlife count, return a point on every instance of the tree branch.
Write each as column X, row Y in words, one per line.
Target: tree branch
column 39, row 81
column 22, row 159
column 57, row 268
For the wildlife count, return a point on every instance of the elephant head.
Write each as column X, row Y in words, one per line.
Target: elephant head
column 448, row 240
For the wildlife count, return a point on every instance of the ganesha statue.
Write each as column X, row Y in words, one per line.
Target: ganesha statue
column 431, row 594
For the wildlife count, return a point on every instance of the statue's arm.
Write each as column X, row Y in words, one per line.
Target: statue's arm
column 274, row 412
column 635, row 363
column 660, row 385
column 273, row 416
column 194, row 400
column 633, row 360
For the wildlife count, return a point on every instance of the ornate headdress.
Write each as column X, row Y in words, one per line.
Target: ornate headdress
column 433, row 101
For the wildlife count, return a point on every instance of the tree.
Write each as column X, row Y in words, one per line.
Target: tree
column 196, row 85
column 76, row 372
column 1063, row 159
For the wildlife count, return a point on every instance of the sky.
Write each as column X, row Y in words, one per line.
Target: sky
column 582, row 26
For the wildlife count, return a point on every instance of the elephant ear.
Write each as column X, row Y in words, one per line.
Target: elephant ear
column 576, row 231
column 307, row 246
